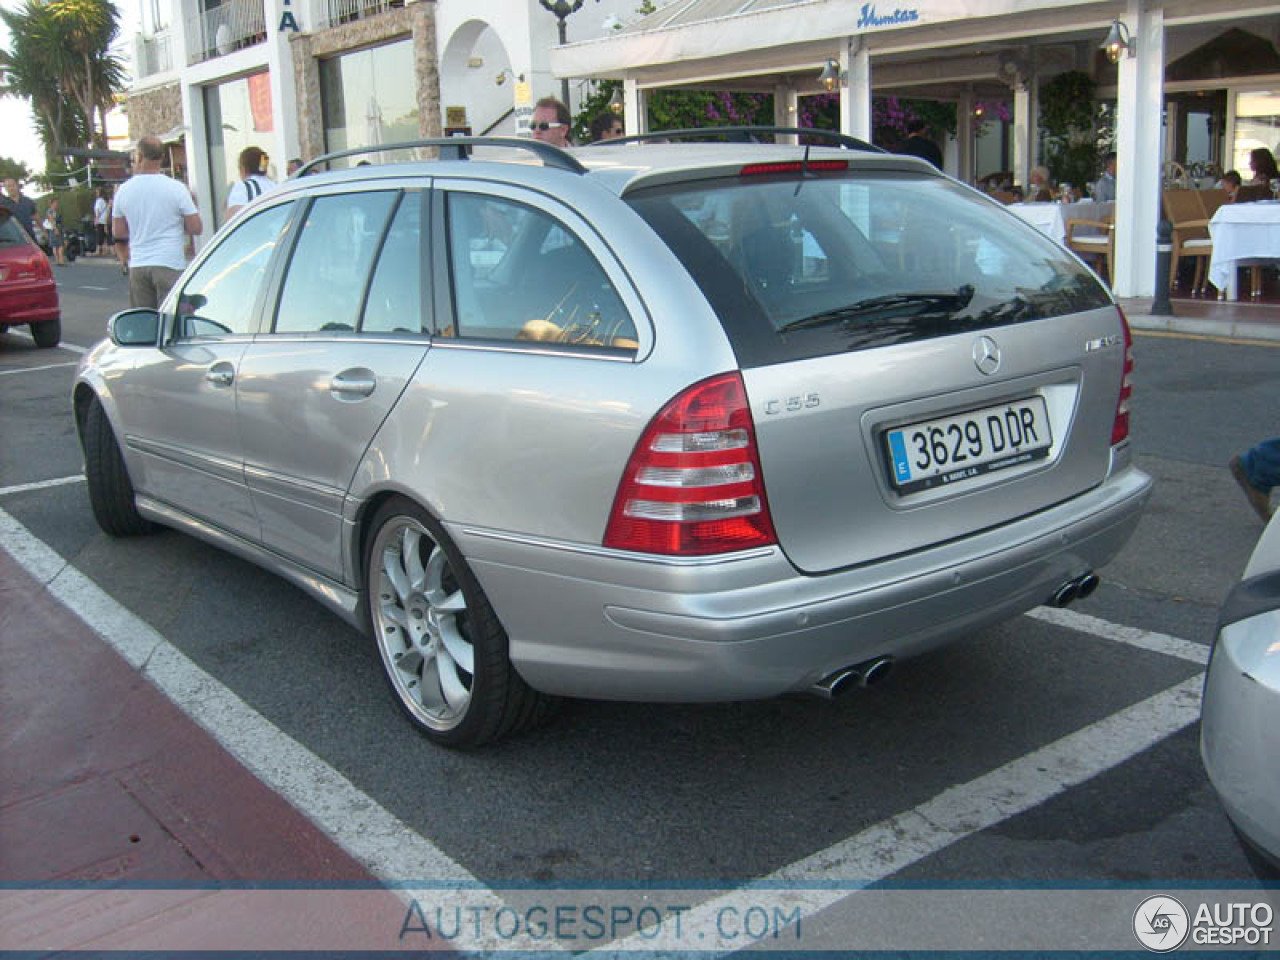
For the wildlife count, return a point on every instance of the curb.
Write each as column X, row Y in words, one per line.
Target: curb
column 1200, row 326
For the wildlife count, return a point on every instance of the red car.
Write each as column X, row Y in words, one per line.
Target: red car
column 27, row 291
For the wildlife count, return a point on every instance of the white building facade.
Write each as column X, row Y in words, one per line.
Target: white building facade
column 299, row 78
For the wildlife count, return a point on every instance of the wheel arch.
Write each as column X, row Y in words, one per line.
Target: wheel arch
column 362, row 527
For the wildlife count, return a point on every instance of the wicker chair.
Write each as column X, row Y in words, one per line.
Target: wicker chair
column 1093, row 238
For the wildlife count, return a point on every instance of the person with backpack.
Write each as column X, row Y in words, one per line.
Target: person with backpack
column 253, row 181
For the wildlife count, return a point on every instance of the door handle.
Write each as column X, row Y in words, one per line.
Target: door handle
column 220, row 374
column 353, row 383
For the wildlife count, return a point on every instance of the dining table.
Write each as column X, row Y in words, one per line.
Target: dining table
column 1051, row 218
column 1244, row 234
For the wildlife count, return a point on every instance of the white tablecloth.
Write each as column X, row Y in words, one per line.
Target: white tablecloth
column 1242, row 232
column 1051, row 218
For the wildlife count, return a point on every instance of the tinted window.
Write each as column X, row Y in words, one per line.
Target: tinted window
column 831, row 263
column 219, row 298
column 329, row 269
column 394, row 304
column 518, row 274
column 11, row 234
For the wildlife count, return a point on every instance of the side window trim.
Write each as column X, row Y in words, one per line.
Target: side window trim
column 168, row 311
column 571, row 220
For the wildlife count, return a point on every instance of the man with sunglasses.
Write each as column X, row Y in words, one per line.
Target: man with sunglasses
column 550, row 122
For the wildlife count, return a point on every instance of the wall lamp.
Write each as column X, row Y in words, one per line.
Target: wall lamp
column 1119, row 42
column 616, row 103
column 830, row 75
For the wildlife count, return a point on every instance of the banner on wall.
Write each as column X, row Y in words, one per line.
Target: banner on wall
column 260, row 102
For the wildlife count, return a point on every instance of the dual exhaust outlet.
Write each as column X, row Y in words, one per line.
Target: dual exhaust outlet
column 873, row 671
column 1076, row 589
column 865, row 674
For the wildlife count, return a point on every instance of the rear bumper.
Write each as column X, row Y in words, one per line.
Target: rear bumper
column 601, row 624
column 28, row 302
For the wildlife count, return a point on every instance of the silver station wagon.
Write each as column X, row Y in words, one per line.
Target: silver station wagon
column 663, row 421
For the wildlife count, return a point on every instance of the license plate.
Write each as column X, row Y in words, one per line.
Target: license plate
column 933, row 453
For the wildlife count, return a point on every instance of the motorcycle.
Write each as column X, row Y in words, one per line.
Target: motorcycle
column 72, row 245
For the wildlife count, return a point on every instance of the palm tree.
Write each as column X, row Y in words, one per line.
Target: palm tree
column 86, row 29
column 59, row 59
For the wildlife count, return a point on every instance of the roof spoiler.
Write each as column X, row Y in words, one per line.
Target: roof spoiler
column 745, row 135
column 458, row 148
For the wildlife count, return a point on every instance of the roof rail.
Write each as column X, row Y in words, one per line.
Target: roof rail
column 745, row 135
column 459, row 148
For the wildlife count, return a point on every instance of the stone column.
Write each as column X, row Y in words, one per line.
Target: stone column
column 426, row 68
column 306, row 79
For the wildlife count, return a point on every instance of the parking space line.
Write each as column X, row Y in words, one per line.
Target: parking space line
column 69, row 347
column 395, row 852
column 825, row 878
column 389, row 848
column 41, row 484
column 47, row 366
column 1134, row 637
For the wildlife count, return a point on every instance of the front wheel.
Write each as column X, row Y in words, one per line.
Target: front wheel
column 443, row 651
column 47, row 333
column 110, row 490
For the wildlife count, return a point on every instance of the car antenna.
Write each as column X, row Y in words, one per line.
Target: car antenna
column 804, row 164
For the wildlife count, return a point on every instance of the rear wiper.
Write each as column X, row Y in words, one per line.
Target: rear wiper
column 916, row 303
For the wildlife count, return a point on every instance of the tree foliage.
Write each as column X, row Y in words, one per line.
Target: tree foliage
column 59, row 59
column 15, row 169
column 1075, row 127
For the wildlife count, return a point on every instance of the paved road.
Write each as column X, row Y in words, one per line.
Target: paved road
column 1053, row 750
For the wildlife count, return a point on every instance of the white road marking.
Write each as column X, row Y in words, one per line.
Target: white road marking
column 69, row 347
column 389, row 848
column 85, row 286
column 47, row 366
column 959, row 812
column 42, row 484
column 394, row 852
column 1143, row 639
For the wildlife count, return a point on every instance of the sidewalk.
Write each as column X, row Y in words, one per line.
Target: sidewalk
column 1242, row 320
column 106, row 782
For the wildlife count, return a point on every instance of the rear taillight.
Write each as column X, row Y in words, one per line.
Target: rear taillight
column 693, row 485
column 1120, row 427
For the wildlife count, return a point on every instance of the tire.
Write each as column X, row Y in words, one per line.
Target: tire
column 47, row 333
column 443, row 650
column 110, row 491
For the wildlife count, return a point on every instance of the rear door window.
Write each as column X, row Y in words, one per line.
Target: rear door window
column 329, row 271
column 518, row 274
column 808, row 267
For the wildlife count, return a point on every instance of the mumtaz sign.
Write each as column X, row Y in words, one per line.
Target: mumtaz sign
column 870, row 17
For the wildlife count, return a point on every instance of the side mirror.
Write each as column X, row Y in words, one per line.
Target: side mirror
column 139, row 327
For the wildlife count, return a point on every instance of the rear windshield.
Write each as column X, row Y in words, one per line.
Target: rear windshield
column 812, row 267
column 11, row 234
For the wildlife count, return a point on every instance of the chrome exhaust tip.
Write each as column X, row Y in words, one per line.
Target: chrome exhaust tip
column 873, row 671
column 1065, row 594
column 1087, row 584
column 835, row 685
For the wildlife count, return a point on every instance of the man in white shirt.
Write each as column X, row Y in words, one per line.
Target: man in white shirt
column 152, row 216
column 100, row 208
column 253, row 181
